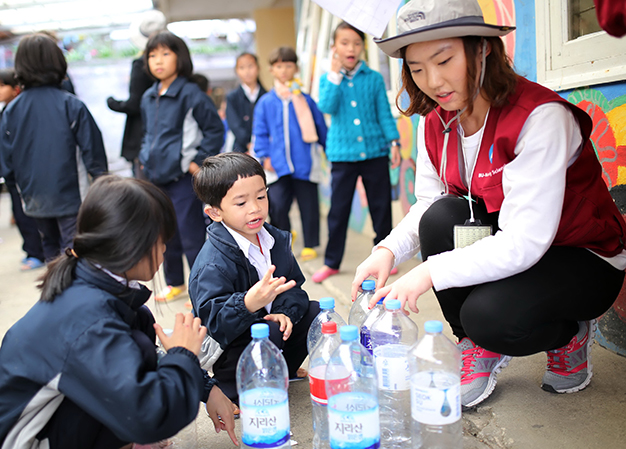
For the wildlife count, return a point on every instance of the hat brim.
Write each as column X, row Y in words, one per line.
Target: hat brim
column 392, row 45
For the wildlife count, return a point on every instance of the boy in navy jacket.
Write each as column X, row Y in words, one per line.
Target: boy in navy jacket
column 246, row 272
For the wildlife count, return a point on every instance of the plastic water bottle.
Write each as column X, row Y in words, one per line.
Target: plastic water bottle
column 372, row 316
column 351, row 387
column 318, row 361
column 435, row 365
column 262, row 382
column 393, row 334
column 360, row 307
column 327, row 313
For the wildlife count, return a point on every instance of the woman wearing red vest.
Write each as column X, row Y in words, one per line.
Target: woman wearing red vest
column 520, row 238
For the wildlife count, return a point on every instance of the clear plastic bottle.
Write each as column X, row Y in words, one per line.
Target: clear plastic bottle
column 351, row 387
column 262, row 382
column 360, row 307
column 318, row 361
column 435, row 366
column 327, row 313
column 372, row 316
column 393, row 334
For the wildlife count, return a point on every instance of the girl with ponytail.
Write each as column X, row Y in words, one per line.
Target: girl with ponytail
column 91, row 377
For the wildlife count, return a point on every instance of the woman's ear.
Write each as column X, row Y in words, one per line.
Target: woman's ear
column 213, row 213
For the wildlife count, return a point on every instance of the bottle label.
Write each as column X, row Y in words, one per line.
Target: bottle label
column 393, row 372
column 366, row 339
column 353, row 421
column 435, row 398
column 318, row 383
column 264, row 417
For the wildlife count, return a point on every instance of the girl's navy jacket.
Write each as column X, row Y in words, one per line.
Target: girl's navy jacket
column 82, row 347
column 239, row 114
column 50, row 144
column 181, row 126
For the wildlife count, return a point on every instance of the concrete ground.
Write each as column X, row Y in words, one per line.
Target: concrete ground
column 518, row 415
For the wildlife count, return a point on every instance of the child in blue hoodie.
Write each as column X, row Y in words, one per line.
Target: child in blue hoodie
column 288, row 130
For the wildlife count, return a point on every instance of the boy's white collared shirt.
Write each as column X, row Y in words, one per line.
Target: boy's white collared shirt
column 260, row 260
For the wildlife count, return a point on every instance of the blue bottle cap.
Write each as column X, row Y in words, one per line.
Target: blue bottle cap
column 381, row 300
column 260, row 330
column 349, row 333
column 433, row 326
column 327, row 303
column 392, row 304
column 368, row 285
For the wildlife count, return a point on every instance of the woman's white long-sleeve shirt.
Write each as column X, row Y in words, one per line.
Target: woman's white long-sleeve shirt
column 534, row 188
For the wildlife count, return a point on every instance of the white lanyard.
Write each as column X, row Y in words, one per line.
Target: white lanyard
column 471, row 175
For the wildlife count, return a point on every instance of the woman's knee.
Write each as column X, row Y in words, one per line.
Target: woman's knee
column 488, row 326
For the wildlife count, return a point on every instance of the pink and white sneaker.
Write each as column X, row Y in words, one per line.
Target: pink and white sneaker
column 479, row 371
column 569, row 368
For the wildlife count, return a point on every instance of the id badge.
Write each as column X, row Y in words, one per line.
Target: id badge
column 469, row 233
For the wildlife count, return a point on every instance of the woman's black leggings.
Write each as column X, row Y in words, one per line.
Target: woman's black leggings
column 533, row 311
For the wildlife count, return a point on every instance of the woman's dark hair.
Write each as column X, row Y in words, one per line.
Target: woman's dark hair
column 499, row 83
column 347, row 26
column 218, row 174
column 39, row 62
column 184, row 66
column 7, row 77
column 118, row 224
column 283, row 54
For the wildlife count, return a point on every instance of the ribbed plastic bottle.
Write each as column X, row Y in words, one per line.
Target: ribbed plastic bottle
column 351, row 387
column 372, row 316
column 318, row 361
column 327, row 313
column 262, row 382
column 393, row 334
column 360, row 306
column 435, row 366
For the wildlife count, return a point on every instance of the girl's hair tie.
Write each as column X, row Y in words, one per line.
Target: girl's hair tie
column 69, row 252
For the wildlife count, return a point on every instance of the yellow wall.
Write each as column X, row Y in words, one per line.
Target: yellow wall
column 274, row 28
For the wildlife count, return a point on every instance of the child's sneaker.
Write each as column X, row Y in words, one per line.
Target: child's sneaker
column 478, row 373
column 569, row 367
column 308, row 254
column 323, row 273
column 31, row 263
column 170, row 293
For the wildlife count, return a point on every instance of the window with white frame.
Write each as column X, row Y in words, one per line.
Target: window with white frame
column 572, row 49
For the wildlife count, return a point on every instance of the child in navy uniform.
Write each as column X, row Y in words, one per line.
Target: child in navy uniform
column 9, row 90
column 80, row 370
column 182, row 128
column 241, row 101
column 49, row 143
column 246, row 272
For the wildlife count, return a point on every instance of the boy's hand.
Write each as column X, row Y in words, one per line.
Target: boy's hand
column 285, row 323
column 188, row 333
column 266, row 290
column 193, row 168
column 267, row 164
